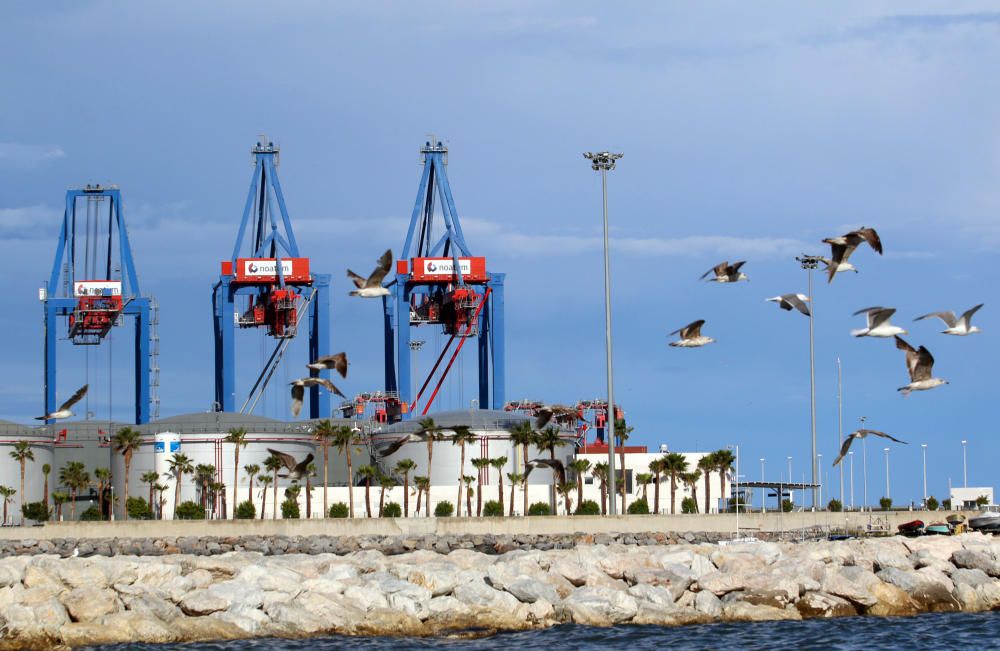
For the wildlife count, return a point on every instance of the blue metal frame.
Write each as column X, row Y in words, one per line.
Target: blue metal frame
column 60, row 301
column 265, row 203
column 434, row 187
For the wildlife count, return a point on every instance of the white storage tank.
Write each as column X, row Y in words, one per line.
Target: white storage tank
column 40, row 444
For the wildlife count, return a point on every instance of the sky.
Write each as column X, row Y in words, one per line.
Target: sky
column 749, row 132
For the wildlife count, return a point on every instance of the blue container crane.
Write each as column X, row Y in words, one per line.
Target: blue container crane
column 439, row 281
column 94, row 285
column 266, row 283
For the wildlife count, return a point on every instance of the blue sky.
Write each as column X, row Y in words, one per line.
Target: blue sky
column 748, row 132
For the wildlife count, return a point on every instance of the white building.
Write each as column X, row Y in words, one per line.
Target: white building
column 965, row 498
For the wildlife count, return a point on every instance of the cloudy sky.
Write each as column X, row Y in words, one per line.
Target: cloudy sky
column 749, row 132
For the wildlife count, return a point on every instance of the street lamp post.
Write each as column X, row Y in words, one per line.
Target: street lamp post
column 603, row 162
column 809, row 263
column 965, row 467
column 864, row 463
column 763, row 491
column 737, row 487
column 820, row 458
column 886, row 450
column 851, row 455
column 840, row 423
column 923, row 448
column 791, row 493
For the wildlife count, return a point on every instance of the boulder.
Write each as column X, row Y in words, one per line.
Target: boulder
column 975, row 560
column 83, row 573
column 759, row 597
column 35, row 576
column 90, row 604
column 529, row 590
column 721, row 583
column 890, row 601
column 206, row 601
column 653, row 594
column 600, row 606
column 821, row 604
column 151, row 605
column 271, row 577
column 383, row 621
column 201, row 629
column 891, row 558
column 973, row 578
column 852, row 583
column 297, row 619
column 706, row 602
column 251, row 620
column 439, row 577
column 479, row 595
column 744, row 611
column 10, row 574
column 365, row 598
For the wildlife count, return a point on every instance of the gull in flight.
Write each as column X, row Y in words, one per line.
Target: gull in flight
column 296, row 471
column 371, row 287
column 562, row 414
column 920, row 364
column 726, row 273
column 860, row 434
column 842, row 247
column 691, row 336
column 64, row 409
column 415, row 437
column 878, row 323
column 789, row 301
column 299, row 391
column 337, row 362
column 555, row 464
column 960, row 326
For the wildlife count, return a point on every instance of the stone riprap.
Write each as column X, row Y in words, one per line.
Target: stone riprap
column 48, row 601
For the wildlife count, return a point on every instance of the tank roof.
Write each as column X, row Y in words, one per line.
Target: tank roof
column 481, row 419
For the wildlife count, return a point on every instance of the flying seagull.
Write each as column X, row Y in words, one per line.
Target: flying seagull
column 415, row 437
column 842, row 247
column 296, row 471
column 299, row 391
column 920, row 364
column 878, row 323
column 960, row 326
column 64, row 409
column 562, row 414
column 860, row 434
column 691, row 336
column 726, row 273
column 371, row 287
column 788, row 301
column 337, row 362
column 555, row 464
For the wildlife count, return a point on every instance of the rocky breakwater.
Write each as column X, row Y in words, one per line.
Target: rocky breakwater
column 47, row 601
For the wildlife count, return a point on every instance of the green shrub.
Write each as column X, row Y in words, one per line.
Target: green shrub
column 638, row 507
column 946, row 504
column 245, row 510
column 444, row 510
column 492, row 509
column 982, row 500
column 787, row 505
column 539, row 508
column 835, row 506
column 392, row 510
column 688, row 505
column 290, row 510
column 92, row 514
column 38, row 511
column 885, row 503
column 588, row 507
column 339, row 510
column 932, row 503
column 189, row 511
column 138, row 509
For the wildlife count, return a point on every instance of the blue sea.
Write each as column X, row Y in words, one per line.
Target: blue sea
column 936, row 631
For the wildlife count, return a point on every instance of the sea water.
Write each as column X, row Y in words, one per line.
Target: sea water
column 935, row 631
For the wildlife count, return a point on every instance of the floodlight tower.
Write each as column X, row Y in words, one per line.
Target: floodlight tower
column 266, row 283
column 439, row 282
column 94, row 284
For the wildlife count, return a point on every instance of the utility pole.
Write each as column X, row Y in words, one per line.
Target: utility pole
column 923, row 447
column 809, row 263
column 840, row 423
column 603, row 162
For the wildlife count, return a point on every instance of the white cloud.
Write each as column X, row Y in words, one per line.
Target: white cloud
column 27, row 156
column 29, row 222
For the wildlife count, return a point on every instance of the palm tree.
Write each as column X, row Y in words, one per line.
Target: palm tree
column 179, row 465
column 273, row 464
column 252, row 470
column 46, row 469
column 218, row 492
column 73, row 476
column 723, row 463
column 523, row 434
column 344, row 438
column 324, row 433
column 548, row 440
column 7, row 494
column 674, row 464
column 566, row 489
column 600, row 471
column 150, row 478
column 498, row 464
column 385, row 481
column 430, row 429
column 423, row 485
column 126, row 441
column 368, row 473
column 579, row 468
column 405, row 467
column 292, row 493
column 160, row 501
column 707, row 464
column 462, row 435
column 59, row 498
column 622, row 431
column 656, row 467
column 204, row 473
column 643, row 479
column 22, row 454
column 469, row 480
column 103, row 477
column 265, row 481
column 480, row 464
column 238, row 437
column 310, row 473
column 515, row 478
column 690, row 479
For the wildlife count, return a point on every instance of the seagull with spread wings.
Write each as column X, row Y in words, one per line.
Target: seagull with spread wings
column 878, row 323
column 843, row 246
column 789, row 301
column 554, row 464
column 299, row 391
column 860, row 434
column 691, row 336
column 920, row 365
column 960, row 326
column 726, row 273
column 337, row 362
column 64, row 410
column 560, row 413
column 371, row 287
column 296, row 471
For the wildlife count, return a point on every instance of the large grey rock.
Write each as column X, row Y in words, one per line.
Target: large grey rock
column 81, row 573
column 36, row 576
column 447, row 607
column 271, row 577
column 17, row 621
column 10, row 574
column 151, row 605
column 891, row 558
column 480, row 595
column 89, row 604
column 205, row 601
column 975, row 560
column 365, row 598
column 666, row 616
column 530, row 590
column 706, row 602
column 973, row 578
column 891, row 601
column 821, row 604
column 721, row 583
column 653, row 594
column 600, row 606
column 852, row 583
column 439, row 577
column 744, row 611
column 250, row 620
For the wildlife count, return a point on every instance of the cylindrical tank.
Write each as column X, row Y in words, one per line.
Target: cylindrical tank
column 41, row 447
column 165, row 446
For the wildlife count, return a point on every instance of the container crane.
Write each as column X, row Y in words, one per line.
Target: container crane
column 94, row 285
column 267, row 284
